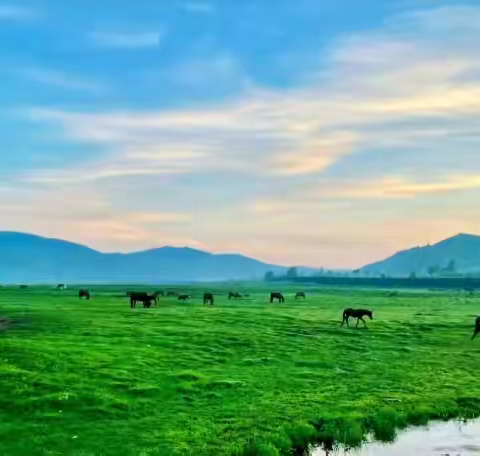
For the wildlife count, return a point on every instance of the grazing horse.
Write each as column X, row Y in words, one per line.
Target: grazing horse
column 300, row 294
column 142, row 297
column 208, row 298
column 183, row 297
column 477, row 328
column 278, row 296
column 84, row 294
column 235, row 295
column 358, row 314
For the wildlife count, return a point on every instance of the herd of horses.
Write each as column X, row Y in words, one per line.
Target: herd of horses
column 148, row 300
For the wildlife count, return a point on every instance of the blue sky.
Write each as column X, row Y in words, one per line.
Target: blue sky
column 319, row 132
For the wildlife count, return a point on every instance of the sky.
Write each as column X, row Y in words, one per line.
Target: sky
column 325, row 133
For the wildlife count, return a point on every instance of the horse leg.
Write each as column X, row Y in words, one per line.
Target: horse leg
column 477, row 330
column 364, row 322
column 358, row 321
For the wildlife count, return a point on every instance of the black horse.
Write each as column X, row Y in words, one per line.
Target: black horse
column 84, row 294
column 143, row 297
column 300, row 294
column 358, row 314
column 278, row 296
column 183, row 297
column 208, row 298
column 233, row 295
column 477, row 328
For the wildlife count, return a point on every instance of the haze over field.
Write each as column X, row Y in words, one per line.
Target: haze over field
column 325, row 133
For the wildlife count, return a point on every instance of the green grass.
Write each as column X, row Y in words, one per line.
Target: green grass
column 240, row 378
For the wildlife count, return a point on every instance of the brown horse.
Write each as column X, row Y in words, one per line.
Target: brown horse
column 84, row 294
column 477, row 328
column 300, row 294
column 358, row 314
column 278, row 296
column 208, row 298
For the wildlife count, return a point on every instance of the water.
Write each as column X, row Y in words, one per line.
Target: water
column 437, row 439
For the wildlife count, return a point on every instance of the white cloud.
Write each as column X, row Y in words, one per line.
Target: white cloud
column 126, row 40
column 198, row 7
column 59, row 79
column 16, row 13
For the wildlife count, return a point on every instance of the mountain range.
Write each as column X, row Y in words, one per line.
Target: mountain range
column 27, row 258
column 457, row 254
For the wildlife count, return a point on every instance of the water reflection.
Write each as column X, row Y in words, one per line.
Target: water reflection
column 437, row 439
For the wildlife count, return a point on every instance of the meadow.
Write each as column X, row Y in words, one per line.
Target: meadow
column 243, row 377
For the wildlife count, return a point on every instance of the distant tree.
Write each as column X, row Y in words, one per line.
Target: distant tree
column 269, row 276
column 451, row 266
column 413, row 275
column 356, row 271
column 432, row 270
column 292, row 273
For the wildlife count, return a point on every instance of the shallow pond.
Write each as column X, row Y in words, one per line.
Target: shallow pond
column 437, row 439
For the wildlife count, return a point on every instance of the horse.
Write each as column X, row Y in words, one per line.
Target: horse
column 143, row 297
column 358, row 314
column 300, row 294
column 208, row 298
column 235, row 295
column 278, row 296
column 183, row 297
column 477, row 328
column 84, row 294
column 61, row 286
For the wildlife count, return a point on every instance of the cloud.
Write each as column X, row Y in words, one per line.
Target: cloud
column 16, row 13
column 374, row 82
column 126, row 40
column 198, row 7
column 59, row 79
column 402, row 188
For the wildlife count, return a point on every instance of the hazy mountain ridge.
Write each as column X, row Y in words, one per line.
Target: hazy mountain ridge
column 27, row 258
column 463, row 249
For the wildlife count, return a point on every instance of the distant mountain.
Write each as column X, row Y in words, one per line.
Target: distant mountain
column 26, row 258
column 459, row 253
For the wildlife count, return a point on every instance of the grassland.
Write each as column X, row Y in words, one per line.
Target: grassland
column 240, row 378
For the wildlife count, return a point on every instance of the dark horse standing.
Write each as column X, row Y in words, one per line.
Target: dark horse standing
column 278, row 296
column 142, row 297
column 235, row 295
column 358, row 314
column 300, row 294
column 477, row 328
column 84, row 294
column 208, row 298
column 183, row 297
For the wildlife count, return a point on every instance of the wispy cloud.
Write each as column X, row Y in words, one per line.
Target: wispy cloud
column 59, row 79
column 198, row 7
column 126, row 40
column 17, row 13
